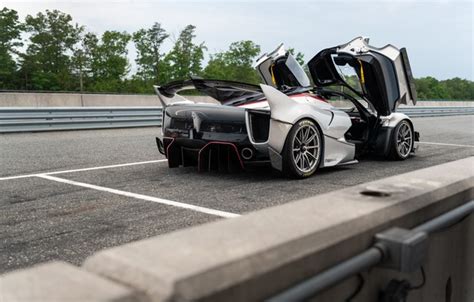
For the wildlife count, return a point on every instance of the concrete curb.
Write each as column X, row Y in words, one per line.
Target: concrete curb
column 59, row 281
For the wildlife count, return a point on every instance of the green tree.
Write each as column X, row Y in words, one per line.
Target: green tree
column 428, row 88
column 108, row 63
column 10, row 31
column 455, row 89
column 234, row 64
column 458, row 88
column 149, row 58
column 185, row 58
column 79, row 63
column 47, row 61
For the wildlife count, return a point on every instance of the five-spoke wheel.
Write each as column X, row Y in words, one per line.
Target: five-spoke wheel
column 302, row 151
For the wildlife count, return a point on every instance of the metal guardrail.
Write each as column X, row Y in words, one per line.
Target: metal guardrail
column 435, row 111
column 18, row 119
column 77, row 118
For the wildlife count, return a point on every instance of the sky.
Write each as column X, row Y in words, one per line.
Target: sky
column 438, row 35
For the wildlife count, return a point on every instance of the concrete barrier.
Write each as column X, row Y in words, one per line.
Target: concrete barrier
column 255, row 256
column 25, row 99
column 17, row 99
column 14, row 99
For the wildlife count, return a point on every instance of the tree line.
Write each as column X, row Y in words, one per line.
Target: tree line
column 48, row 51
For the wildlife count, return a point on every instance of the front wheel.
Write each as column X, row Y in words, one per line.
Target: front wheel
column 402, row 141
column 302, row 150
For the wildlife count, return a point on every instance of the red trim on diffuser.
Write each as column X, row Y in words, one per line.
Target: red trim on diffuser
column 219, row 143
column 169, row 145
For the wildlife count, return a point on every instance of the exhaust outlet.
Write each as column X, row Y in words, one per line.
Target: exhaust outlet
column 246, row 153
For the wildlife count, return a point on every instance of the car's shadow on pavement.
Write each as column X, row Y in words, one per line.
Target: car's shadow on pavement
column 252, row 174
column 364, row 170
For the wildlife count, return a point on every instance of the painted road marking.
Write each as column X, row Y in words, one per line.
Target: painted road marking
column 84, row 169
column 140, row 196
column 444, row 144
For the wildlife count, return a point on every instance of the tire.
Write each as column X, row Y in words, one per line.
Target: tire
column 302, row 151
column 402, row 141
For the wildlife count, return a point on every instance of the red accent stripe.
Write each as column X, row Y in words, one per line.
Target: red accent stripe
column 169, row 145
column 310, row 95
column 293, row 95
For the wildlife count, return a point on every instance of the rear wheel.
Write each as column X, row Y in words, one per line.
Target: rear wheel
column 402, row 141
column 302, row 150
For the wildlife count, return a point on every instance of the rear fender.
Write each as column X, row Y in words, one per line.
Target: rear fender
column 384, row 134
column 393, row 119
column 285, row 112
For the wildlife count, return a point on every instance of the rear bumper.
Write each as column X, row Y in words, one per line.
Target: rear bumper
column 416, row 144
column 209, row 155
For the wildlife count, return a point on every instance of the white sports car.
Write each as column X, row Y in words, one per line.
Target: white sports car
column 288, row 122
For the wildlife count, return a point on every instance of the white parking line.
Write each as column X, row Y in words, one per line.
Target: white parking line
column 140, row 196
column 444, row 144
column 84, row 169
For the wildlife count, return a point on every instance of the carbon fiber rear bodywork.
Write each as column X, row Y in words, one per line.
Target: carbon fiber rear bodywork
column 208, row 136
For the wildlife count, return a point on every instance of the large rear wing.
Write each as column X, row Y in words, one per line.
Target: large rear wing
column 168, row 95
column 225, row 92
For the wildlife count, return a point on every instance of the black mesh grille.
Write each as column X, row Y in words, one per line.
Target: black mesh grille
column 222, row 127
column 181, row 124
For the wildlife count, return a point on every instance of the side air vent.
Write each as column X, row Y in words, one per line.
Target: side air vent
column 259, row 124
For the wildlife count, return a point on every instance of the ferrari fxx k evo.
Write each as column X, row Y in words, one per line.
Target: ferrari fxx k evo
column 288, row 122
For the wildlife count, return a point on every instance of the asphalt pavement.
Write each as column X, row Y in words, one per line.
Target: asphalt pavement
column 68, row 215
